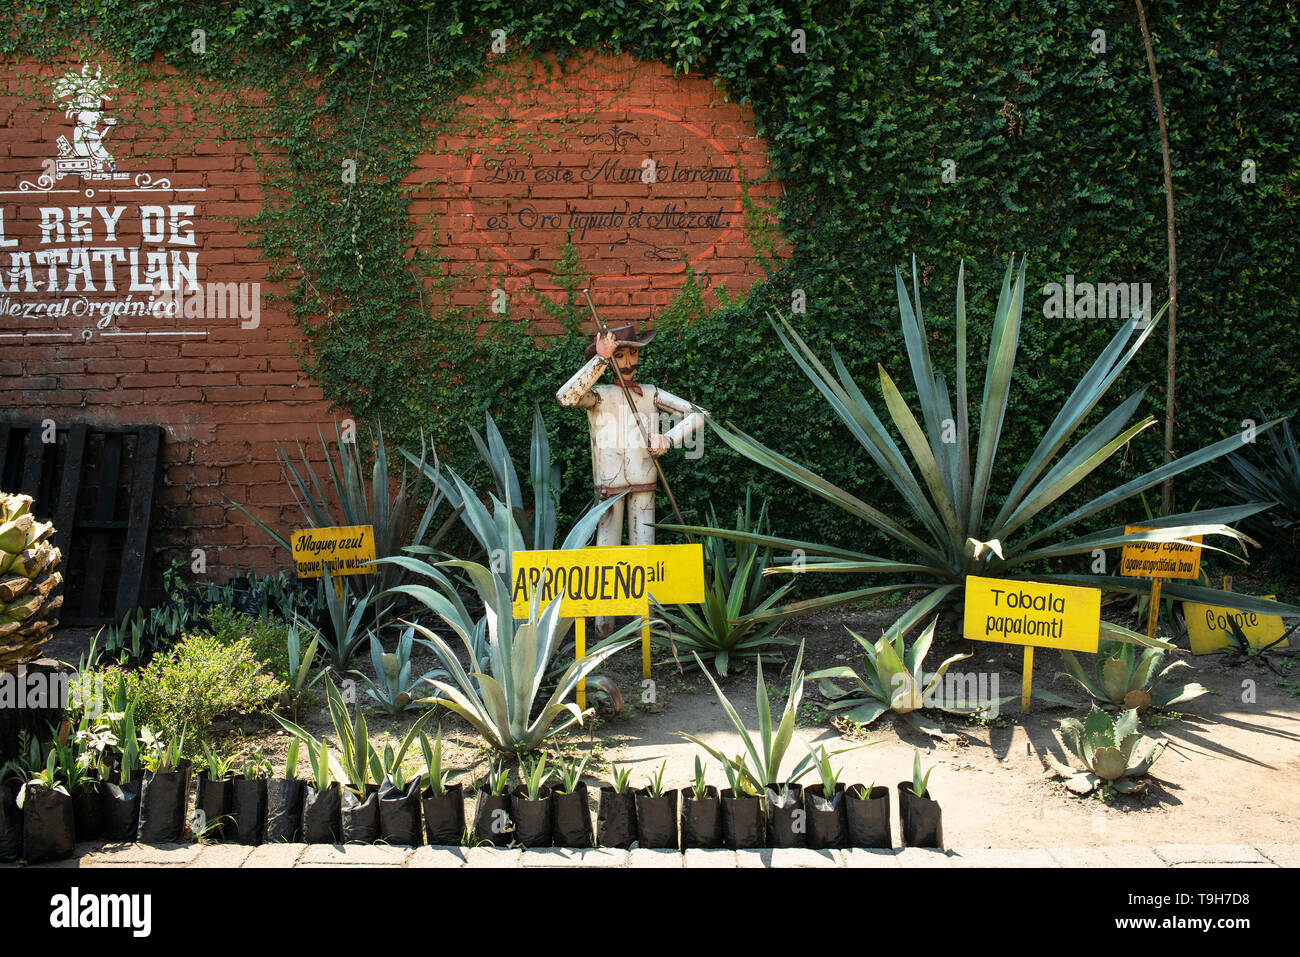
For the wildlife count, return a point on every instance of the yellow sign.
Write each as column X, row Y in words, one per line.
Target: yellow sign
column 1032, row 613
column 1160, row 559
column 591, row 581
column 675, row 574
column 1208, row 630
column 343, row 549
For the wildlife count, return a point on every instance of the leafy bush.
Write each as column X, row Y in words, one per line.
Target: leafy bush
column 267, row 637
column 195, row 682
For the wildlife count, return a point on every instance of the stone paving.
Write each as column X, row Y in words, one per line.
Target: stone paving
column 359, row 855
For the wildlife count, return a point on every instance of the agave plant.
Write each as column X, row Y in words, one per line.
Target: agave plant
column 1241, row 650
column 1107, row 748
column 300, row 662
column 726, row 626
column 1278, row 482
column 892, row 679
column 349, row 616
column 391, row 517
column 949, row 529
column 500, row 705
column 359, row 763
column 760, row 766
column 1124, row 681
column 394, row 686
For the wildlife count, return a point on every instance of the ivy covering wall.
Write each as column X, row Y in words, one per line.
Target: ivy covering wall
column 1055, row 154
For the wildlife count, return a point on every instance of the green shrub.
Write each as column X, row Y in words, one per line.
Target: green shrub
column 267, row 637
column 198, row 680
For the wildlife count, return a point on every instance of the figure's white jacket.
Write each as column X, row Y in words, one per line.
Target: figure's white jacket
column 620, row 460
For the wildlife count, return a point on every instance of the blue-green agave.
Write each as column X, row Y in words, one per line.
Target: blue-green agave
column 1108, row 749
column 949, row 528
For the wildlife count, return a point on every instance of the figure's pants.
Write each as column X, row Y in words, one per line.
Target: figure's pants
column 640, row 510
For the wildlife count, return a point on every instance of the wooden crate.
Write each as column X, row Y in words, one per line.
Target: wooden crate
column 98, row 484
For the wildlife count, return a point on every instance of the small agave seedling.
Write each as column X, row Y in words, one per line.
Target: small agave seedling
column 1125, row 681
column 618, row 778
column 892, row 679
column 1107, row 748
column 394, row 687
column 1240, row 650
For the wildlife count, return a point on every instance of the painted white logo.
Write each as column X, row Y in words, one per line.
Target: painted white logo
column 83, row 95
column 79, row 272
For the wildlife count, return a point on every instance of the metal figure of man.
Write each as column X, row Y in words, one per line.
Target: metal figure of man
column 620, row 459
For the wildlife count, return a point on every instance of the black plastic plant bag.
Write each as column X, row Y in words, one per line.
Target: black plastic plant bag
column 787, row 823
column 921, row 818
column 616, row 818
column 212, row 803
column 248, row 810
column 532, row 818
column 701, row 819
column 360, row 818
column 283, row 811
column 868, row 818
column 828, row 823
column 162, row 806
column 571, row 817
column 656, row 819
column 492, row 818
column 122, row 811
column 88, row 810
column 11, row 823
column 444, row 816
column 742, row 821
column 321, row 822
column 399, row 814
column 49, row 828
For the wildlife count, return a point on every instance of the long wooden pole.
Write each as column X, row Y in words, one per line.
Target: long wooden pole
column 618, row 374
column 1167, row 486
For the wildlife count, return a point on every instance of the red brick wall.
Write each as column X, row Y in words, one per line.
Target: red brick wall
column 226, row 394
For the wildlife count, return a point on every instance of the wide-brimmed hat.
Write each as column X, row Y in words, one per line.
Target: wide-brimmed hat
column 624, row 336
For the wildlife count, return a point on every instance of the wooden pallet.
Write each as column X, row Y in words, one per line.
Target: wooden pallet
column 98, row 484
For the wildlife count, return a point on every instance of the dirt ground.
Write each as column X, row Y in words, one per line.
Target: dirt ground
column 1229, row 775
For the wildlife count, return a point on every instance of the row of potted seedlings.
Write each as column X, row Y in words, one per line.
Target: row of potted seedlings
column 100, row 784
column 249, row 806
column 81, row 786
column 534, row 814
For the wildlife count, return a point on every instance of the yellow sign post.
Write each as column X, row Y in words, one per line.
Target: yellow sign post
column 618, row 580
column 1033, row 614
column 342, row 549
column 675, row 576
column 1157, row 561
column 588, row 581
column 1208, row 627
